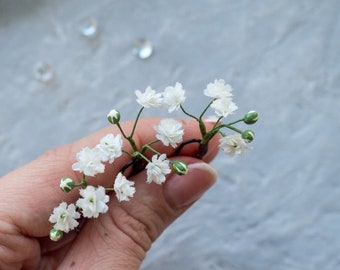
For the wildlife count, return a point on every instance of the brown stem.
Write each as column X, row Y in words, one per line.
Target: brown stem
column 138, row 164
column 202, row 148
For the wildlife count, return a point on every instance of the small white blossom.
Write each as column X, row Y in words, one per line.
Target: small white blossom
column 149, row 98
column 157, row 169
column 233, row 145
column 110, row 147
column 170, row 132
column 218, row 89
column 64, row 216
column 173, row 97
column 123, row 188
column 89, row 161
column 93, row 202
column 223, row 106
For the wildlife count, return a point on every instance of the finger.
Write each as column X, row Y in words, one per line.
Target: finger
column 33, row 191
column 129, row 228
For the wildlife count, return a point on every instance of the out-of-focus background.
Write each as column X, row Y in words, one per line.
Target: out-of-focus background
column 65, row 64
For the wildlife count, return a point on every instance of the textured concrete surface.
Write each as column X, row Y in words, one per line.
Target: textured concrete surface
column 276, row 208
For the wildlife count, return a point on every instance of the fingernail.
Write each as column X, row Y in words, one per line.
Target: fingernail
column 181, row 191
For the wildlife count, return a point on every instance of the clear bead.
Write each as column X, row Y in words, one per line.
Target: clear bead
column 89, row 27
column 142, row 48
column 43, row 72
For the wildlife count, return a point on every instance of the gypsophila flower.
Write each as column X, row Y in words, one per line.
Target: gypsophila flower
column 110, row 147
column 113, row 116
column 218, row 89
column 93, row 202
column 64, row 216
column 233, row 145
column 124, row 188
column 223, row 106
column 157, row 169
column 173, row 97
column 66, row 184
column 170, row 132
column 89, row 161
column 149, row 98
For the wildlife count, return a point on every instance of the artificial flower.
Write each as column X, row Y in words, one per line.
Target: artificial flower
column 218, row 89
column 124, row 188
column 110, row 147
column 173, row 97
column 149, row 98
column 233, row 144
column 64, row 216
column 89, row 161
column 93, row 202
column 223, row 106
column 170, row 132
column 157, row 169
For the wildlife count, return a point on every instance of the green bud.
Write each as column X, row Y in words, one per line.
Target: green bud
column 180, row 167
column 251, row 117
column 248, row 135
column 113, row 117
column 66, row 184
column 56, row 235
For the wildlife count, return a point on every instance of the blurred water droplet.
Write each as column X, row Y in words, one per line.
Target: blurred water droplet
column 43, row 72
column 89, row 27
column 142, row 48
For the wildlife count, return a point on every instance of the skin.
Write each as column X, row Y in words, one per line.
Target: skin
column 118, row 239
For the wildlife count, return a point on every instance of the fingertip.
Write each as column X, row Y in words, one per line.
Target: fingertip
column 182, row 191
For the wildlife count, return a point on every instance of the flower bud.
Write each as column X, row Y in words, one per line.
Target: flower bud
column 248, row 135
column 56, row 235
column 180, row 167
column 66, row 184
column 251, row 117
column 113, row 117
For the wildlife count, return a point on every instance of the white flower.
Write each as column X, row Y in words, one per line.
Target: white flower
column 64, row 217
column 89, row 162
column 173, row 97
column 223, row 106
column 149, row 98
column 110, row 147
column 233, row 145
column 123, row 188
column 218, row 89
column 157, row 169
column 93, row 202
column 169, row 132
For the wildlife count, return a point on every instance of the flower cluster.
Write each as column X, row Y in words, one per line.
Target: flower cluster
column 92, row 161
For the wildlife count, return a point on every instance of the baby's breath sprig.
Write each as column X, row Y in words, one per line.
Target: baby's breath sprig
column 92, row 161
column 223, row 106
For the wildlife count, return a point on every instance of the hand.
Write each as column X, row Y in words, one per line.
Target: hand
column 118, row 239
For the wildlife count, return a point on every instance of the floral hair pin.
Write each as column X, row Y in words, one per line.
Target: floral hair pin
column 92, row 161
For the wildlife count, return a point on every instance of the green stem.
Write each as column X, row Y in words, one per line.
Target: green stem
column 188, row 114
column 135, row 123
column 147, row 146
column 143, row 157
column 122, row 131
column 205, row 110
column 232, row 128
column 232, row 123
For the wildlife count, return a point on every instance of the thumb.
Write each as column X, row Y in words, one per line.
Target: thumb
column 131, row 227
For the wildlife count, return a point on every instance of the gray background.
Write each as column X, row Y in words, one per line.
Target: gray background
column 278, row 207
